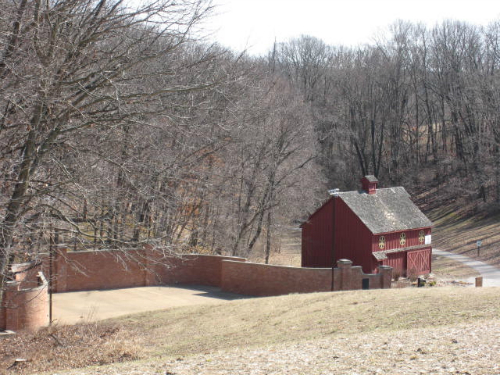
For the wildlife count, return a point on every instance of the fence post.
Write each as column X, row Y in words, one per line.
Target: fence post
column 479, row 281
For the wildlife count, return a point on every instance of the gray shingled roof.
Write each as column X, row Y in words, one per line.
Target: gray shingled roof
column 388, row 210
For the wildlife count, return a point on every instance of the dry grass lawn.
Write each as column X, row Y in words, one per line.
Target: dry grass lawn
column 459, row 349
column 258, row 322
column 251, row 324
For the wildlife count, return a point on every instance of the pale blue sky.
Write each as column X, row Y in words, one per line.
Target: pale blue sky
column 255, row 24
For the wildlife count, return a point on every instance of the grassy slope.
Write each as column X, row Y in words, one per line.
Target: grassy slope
column 259, row 322
column 458, row 232
column 251, row 323
column 459, row 223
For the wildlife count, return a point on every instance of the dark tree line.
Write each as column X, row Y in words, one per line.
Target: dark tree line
column 418, row 107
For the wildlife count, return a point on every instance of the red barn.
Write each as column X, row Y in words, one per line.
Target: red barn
column 371, row 227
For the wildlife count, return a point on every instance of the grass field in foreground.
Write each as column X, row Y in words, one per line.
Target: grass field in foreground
column 246, row 323
column 256, row 322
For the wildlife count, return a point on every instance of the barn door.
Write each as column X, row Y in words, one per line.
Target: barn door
column 419, row 262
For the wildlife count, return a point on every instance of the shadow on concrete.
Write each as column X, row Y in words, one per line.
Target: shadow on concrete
column 211, row 292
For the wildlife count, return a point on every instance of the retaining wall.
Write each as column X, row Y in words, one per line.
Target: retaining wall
column 195, row 269
column 256, row 279
column 87, row 270
column 26, row 298
column 267, row 280
column 113, row 269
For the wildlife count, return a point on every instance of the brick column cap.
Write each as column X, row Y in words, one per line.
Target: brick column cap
column 344, row 263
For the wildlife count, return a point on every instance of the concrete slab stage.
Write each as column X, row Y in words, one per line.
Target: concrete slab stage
column 88, row 306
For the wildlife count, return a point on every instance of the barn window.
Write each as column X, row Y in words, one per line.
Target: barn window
column 381, row 242
column 421, row 236
column 402, row 239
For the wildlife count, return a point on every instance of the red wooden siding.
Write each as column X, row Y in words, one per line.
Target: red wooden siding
column 317, row 238
column 419, row 261
column 398, row 262
column 352, row 238
column 392, row 240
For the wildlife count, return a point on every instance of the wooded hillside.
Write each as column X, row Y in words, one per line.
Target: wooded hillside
column 118, row 126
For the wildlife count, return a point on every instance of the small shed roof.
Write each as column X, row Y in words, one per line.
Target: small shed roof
column 382, row 255
column 389, row 210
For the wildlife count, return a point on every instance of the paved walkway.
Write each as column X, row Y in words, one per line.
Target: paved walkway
column 75, row 307
column 490, row 274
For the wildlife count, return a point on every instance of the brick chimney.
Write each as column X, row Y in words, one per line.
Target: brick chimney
column 369, row 184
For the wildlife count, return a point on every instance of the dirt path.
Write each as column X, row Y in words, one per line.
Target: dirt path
column 490, row 274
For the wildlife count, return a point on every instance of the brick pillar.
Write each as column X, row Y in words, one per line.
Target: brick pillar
column 345, row 273
column 4, row 305
column 60, row 270
column 11, row 311
column 26, row 308
column 2, row 317
column 385, row 273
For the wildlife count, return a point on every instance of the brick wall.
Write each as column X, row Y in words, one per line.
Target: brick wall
column 256, row 279
column 94, row 270
column 26, row 299
column 76, row 271
column 349, row 277
column 267, row 280
column 194, row 269
column 2, row 318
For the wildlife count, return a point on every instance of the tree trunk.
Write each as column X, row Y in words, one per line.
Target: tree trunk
column 268, row 236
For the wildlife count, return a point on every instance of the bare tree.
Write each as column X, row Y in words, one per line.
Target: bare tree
column 74, row 72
